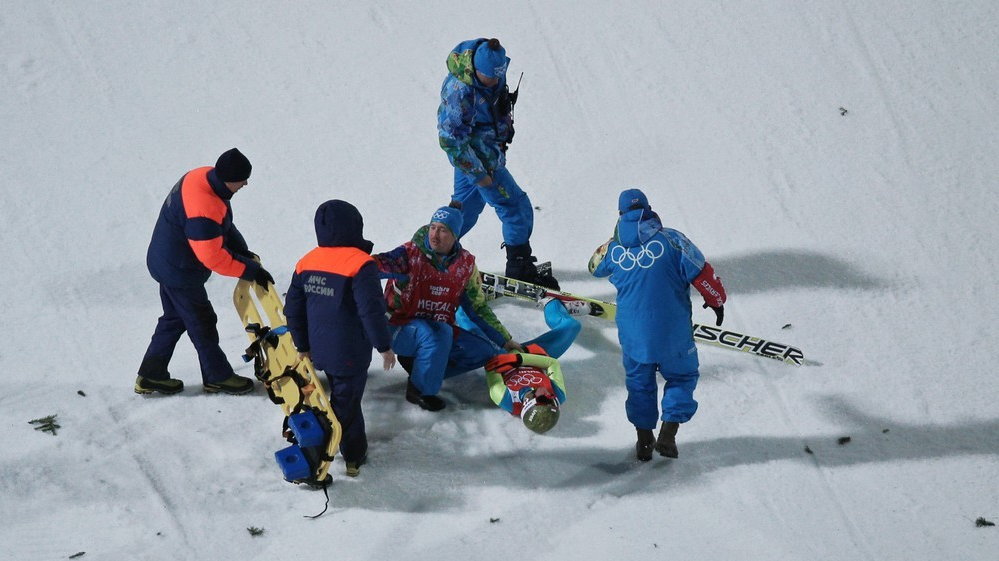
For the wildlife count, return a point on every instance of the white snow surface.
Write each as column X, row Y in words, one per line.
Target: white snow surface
column 836, row 162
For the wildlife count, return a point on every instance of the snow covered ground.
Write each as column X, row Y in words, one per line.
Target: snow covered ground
column 836, row 161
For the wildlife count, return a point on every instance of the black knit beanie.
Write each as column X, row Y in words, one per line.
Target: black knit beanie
column 232, row 166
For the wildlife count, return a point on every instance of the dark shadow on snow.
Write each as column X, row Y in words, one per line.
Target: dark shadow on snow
column 767, row 271
column 437, row 482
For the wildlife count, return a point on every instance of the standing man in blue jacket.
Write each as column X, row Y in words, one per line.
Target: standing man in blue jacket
column 336, row 315
column 475, row 125
column 194, row 236
column 652, row 268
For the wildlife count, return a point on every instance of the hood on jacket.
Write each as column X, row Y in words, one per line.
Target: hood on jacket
column 461, row 63
column 339, row 224
column 636, row 227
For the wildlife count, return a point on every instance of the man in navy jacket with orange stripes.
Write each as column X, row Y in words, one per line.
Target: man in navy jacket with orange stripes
column 193, row 237
column 336, row 315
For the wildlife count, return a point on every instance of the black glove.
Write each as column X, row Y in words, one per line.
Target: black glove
column 719, row 312
column 262, row 277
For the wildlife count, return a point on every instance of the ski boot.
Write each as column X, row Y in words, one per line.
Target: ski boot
column 520, row 265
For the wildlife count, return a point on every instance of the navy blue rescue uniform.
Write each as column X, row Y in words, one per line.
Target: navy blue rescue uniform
column 336, row 312
column 193, row 237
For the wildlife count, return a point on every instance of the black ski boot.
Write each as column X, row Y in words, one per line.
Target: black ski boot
column 520, row 265
column 643, row 448
column 427, row 402
column 666, row 443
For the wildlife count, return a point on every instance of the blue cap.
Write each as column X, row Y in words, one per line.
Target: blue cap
column 491, row 62
column 632, row 199
column 450, row 217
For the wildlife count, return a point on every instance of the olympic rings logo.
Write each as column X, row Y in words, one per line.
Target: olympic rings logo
column 624, row 258
column 520, row 378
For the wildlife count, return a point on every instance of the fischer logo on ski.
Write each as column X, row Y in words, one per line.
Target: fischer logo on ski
column 497, row 285
column 737, row 341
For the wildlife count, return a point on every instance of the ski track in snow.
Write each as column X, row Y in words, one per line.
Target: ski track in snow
column 148, row 470
column 845, row 514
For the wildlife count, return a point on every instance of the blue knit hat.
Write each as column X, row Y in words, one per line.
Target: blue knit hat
column 632, row 199
column 450, row 217
column 489, row 61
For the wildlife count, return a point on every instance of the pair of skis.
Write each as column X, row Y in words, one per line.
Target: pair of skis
column 498, row 285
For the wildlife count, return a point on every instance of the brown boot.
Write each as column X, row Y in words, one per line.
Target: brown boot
column 643, row 448
column 666, row 443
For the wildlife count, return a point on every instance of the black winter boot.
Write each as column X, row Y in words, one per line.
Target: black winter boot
column 427, row 402
column 643, row 448
column 520, row 265
column 666, row 443
column 166, row 387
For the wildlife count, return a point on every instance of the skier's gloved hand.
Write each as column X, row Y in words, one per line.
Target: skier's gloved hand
column 719, row 312
column 262, row 277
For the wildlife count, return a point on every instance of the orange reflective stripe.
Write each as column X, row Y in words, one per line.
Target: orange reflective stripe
column 212, row 255
column 344, row 261
column 199, row 199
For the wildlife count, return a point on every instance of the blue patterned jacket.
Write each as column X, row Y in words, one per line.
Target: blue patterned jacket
column 470, row 130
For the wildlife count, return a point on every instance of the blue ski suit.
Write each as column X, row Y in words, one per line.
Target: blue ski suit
column 652, row 268
column 474, row 133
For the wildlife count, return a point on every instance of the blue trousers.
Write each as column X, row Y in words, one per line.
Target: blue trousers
column 678, row 403
column 346, row 391
column 511, row 203
column 434, row 344
column 441, row 351
column 562, row 330
column 186, row 309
